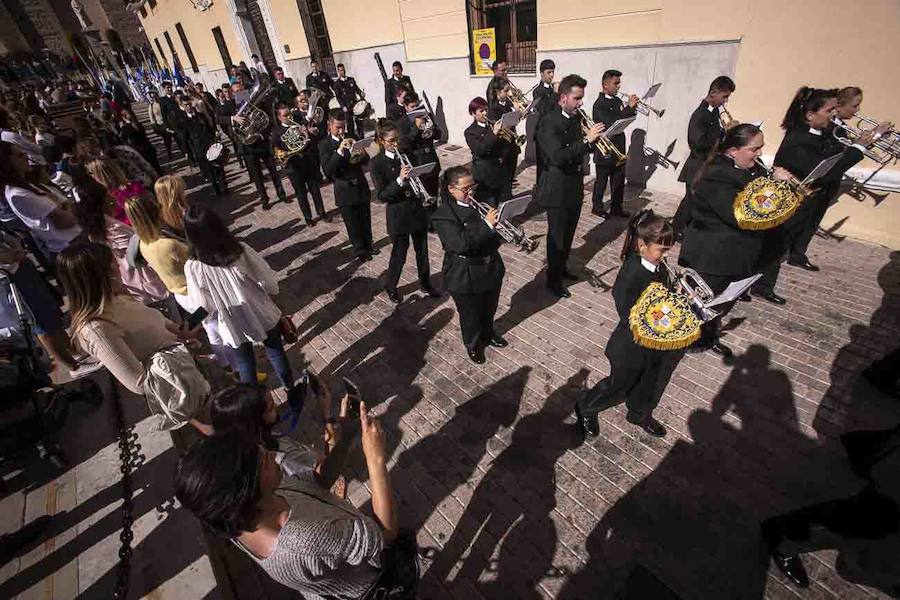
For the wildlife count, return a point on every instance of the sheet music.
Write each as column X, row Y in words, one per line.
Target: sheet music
column 510, row 119
column 414, row 114
column 420, row 170
column 618, row 127
column 822, row 168
column 514, row 207
column 734, row 291
column 361, row 145
column 652, row 91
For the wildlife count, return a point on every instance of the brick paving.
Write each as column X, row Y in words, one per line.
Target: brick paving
column 485, row 457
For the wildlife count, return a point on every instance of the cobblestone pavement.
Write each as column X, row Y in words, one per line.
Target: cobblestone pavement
column 486, row 460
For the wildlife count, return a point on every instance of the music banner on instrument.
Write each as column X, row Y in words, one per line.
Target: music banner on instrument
column 484, row 50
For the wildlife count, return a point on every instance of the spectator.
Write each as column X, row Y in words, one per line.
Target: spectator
column 132, row 133
column 107, row 173
column 172, row 199
column 9, row 134
column 143, row 350
column 234, row 283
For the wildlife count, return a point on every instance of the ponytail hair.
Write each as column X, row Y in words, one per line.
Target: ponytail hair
column 806, row 99
column 649, row 227
column 450, row 177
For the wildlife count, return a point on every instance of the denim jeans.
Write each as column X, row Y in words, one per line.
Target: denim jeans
column 246, row 359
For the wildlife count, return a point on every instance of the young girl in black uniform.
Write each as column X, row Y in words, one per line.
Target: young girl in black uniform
column 634, row 370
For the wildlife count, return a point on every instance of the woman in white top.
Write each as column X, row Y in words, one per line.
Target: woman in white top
column 235, row 285
column 42, row 208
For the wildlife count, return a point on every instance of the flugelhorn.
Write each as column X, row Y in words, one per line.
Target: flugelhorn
column 724, row 112
column 603, row 143
column 509, row 232
column 642, row 107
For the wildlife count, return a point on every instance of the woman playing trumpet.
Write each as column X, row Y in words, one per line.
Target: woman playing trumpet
column 499, row 104
column 488, row 151
column 473, row 270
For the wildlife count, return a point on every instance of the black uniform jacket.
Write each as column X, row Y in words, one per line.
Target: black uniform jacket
column 200, row 134
column 704, row 130
column 302, row 162
column 346, row 91
column 167, row 105
column 404, row 209
column 713, row 242
column 562, row 148
column 472, row 264
column 487, row 155
column 801, row 150
column 284, row 91
column 495, row 112
column 608, row 111
column 549, row 98
column 390, row 88
column 224, row 111
column 350, row 185
column 419, row 149
column 322, row 81
column 632, row 280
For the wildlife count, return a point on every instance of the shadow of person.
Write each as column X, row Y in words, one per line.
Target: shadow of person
column 285, row 257
column 525, row 302
column 266, row 237
column 850, row 402
column 601, row 234
column 509, row 514
column 354, row 293
column 693, row 523
column 320, row 275
column 639, row 166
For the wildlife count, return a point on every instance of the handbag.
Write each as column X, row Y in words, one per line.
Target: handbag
column 288, row 329
column 400, row 574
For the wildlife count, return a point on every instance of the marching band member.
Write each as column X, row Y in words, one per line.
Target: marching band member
column 321, row 81
column 200, row 134
column 348, row 93
column 416, row 144
column 473, row 269
column 609, row 108
column 351, row 190
column 499, row 105
column 302, row 168
column 257, row 154
column 548, row 99
column 499, row 68
column 715, row 245
column 563, row 147
column 284, row 88
column 407, row 218
column 318, row 131
column 705, row 129
column 804, row 146
column 397, row 78
column 396, row 111
column 634, row 369
column 225, row 108
column 487, row 155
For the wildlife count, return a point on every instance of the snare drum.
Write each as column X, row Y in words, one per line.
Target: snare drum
column 361, row 109
column 217, row 153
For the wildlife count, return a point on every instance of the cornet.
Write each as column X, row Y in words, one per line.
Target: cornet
column 882, row 150
column 416, row 184
column 508, row 135
column 509, row 232
column 642, row 107
column 603, row 143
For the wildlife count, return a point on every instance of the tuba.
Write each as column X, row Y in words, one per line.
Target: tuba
column 296, row 138
column 255, row 120
column 605, row 145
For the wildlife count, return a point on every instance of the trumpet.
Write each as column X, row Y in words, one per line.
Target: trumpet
column 508, row 135
column 883, row 150
column 644, row 108
column 416, row 184
column 346, row 144
column 659, row 158
column 731, row 121
column 689, row 283
column 518, row 98
column 603, row 144
column 509, row 232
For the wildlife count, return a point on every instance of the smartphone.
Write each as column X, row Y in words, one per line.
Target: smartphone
column 355, row 396
column 196, row 317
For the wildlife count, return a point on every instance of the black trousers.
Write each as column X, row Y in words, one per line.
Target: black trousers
column 254, row 161
column 476, row 316
column 214, row 174
column 802, row 234
column 305, row 185
column 561, row 224
column 399, row 248
column 615, row 174
column 358, row 221
column 709, row 331
column 166, row 138
column 683, row 213
column 181, row 140
column 634, row 373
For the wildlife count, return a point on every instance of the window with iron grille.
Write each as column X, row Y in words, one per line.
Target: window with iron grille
column 515, row 27
column 187, row 47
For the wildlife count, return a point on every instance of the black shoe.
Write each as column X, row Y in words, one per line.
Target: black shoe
column 570, row 276
column 771, row 297
column 327, row 218
column 311, row 222
column 559, row 291
column 653, row 427
column 265, row 204
column 374, row 251
column 476, row 355
column 599, row 212
column 429, row 291
column 283, row 199
column 394, row 295
column 363, row 258
column 589, row 426
column 792, row 567
column 497, row 341
column 803, row 263
column 745, row 297
column 721, row 349
column 620, row 212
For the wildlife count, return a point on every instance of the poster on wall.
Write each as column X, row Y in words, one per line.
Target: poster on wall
column 484, row 50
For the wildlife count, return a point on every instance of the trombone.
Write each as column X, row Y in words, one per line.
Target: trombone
column 603, row 144
column 882, row 150
column 644, row 108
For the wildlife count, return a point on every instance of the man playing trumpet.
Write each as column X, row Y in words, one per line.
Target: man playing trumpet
column 302, row 167
column 609, row 108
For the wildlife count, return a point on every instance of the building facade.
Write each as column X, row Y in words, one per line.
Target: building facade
column 769, row 47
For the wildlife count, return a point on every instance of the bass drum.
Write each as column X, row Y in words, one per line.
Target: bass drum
column 217, row 153
column 361, row 109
